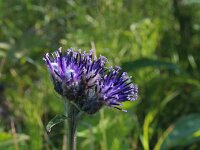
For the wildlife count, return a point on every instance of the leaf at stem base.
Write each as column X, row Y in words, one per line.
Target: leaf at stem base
column 57, row 119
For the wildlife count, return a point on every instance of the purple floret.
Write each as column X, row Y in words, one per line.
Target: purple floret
column 66, row 68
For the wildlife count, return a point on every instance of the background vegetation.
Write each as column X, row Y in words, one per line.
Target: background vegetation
column 157, row 42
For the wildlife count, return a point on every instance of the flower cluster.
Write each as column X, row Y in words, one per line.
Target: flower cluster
column 84, row 80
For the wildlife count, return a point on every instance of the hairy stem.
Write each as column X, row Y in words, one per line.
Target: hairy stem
column 71, row 111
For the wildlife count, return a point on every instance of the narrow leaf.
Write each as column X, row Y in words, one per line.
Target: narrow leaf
column 146, row 62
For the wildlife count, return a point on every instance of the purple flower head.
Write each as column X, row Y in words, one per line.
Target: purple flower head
column 74, row 72
column 115, row 88
column 83, row 79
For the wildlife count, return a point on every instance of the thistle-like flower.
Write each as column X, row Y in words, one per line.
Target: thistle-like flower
column 85, row 81
column 115, row 88
column 74, row 72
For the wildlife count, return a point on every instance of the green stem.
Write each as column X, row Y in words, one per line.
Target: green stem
column 103, row 130
column 71, row 111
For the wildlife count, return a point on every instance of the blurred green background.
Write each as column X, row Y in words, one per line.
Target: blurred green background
column 156, row 42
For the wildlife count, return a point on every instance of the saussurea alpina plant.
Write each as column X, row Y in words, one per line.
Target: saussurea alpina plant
column 86, row 85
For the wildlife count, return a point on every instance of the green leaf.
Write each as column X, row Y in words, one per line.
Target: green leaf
column 146, row 62
column 185, row 131
column 57, row 119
